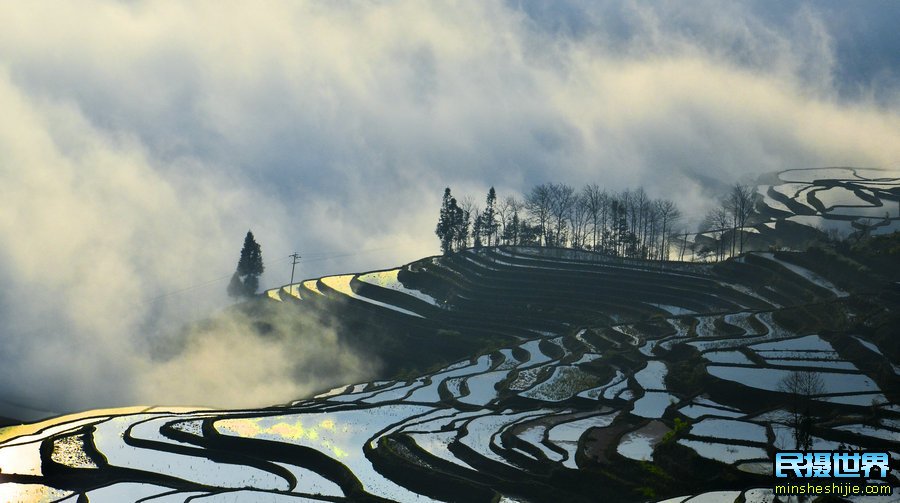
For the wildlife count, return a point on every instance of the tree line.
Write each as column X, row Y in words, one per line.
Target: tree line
column 627, row 224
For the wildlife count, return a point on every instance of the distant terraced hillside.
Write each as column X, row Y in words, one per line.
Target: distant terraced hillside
column 601, row 380
column 845, row 201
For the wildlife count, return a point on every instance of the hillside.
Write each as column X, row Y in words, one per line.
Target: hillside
column 798, row 207
column 523, row 374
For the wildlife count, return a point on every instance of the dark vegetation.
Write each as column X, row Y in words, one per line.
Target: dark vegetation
column 245, row 280
column 625, row 224
column 619, row 224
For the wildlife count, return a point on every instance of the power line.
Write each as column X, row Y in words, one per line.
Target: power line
column 318, row 257
column 199, row 285
column 330, row 256
column 185, row 289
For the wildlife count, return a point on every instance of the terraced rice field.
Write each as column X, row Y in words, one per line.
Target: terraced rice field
column 845, row 199
column 567, row 415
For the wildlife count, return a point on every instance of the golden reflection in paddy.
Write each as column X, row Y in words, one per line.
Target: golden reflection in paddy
column 383, row 279
column 22, row 459
column 321, row 434
column 311, row 285
column 31, row 493
column 10, row 433
column 293, row 290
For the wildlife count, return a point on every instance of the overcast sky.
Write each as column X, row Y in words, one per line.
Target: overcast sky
column 140, row 140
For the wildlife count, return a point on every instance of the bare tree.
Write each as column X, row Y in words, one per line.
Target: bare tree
column 580, row 219
column 537, row 202
column 618, row 231
column 681, row 235
column 467, row 210
column 654, row 239
column 740, row 206
column 562, row 198
column 596, row 202
column 628, row 224
column 716, row 223
column 801, row 386
column 669, row 214
column 640, row 209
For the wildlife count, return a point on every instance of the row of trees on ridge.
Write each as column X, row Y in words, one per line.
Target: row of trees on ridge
column 625, row 224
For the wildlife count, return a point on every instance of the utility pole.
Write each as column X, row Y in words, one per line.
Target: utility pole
column 294, row 262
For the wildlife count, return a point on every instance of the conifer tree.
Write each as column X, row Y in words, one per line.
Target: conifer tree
column 477, row 231
column 488, row 225
column 464, row 228
column 445, row 225
column 251, row 285
column 511, row 230
column 235, row 286
column 251, row 263
column 245, row 280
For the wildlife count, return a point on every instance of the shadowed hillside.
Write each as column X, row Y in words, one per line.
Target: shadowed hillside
column 525, row 374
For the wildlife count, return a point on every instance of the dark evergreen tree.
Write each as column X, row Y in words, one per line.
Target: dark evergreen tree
column 489, row 225
column 251, row 285
column 251, row 263
column 511, row 230
column 460, row 220
column 465, row 228
column 529, row 235
column 249, row 267
column 235, row 286
column 478, row 231
column 445, row 225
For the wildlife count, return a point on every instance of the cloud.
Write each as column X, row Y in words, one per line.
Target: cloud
column 243, row 359
column 140, row 140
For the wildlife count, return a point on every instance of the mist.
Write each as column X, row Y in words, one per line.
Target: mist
column 251, row 356
column 141, row 140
